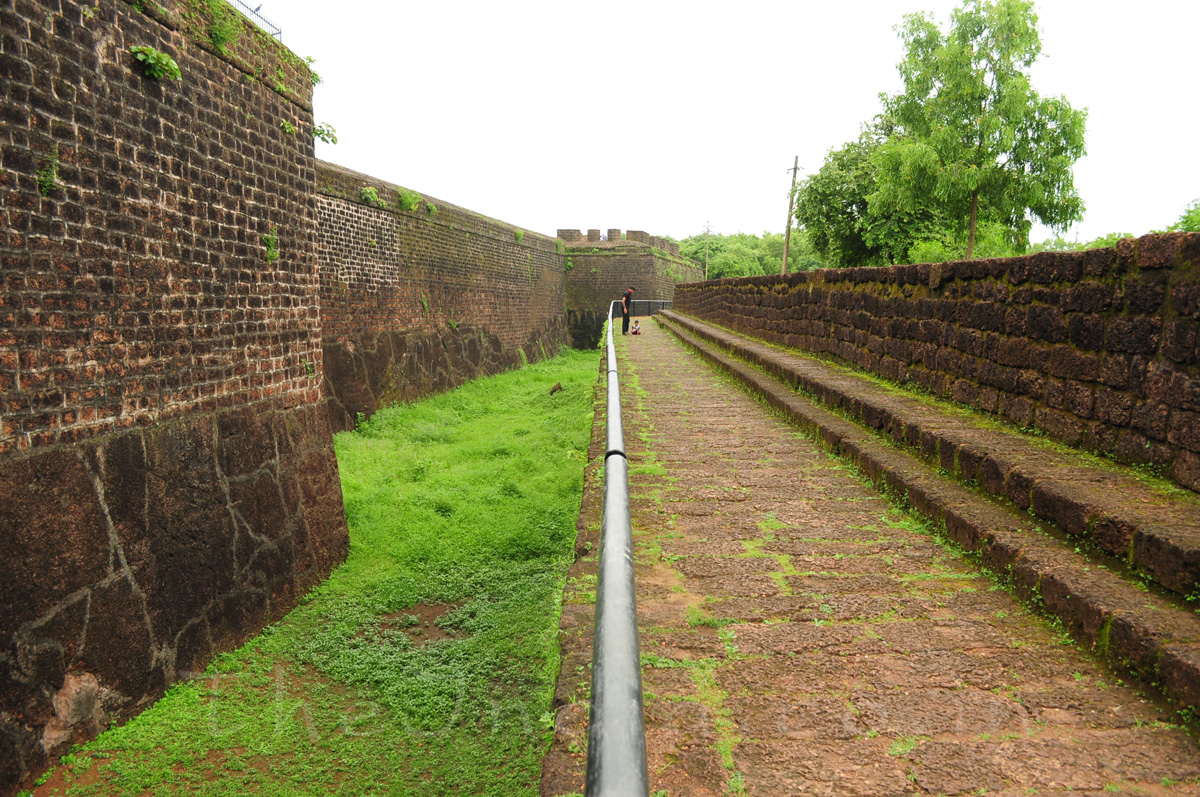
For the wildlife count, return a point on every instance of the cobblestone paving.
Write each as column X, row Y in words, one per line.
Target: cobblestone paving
column 800, row 635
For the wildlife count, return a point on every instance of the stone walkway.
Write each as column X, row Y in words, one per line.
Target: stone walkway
column 800, row 635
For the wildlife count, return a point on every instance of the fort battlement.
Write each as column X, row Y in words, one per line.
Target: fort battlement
column 614, row 237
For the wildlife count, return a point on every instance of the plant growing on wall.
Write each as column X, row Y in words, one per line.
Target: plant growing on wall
column 430, row 208
column 519, row 235
column 370, row 195
column 287, row 127
column 224, row 27
column 47, row 176
column 325, row 132
column 156, row 65
column 312, row 75
column 271, row 245
column 409, row 200
column 568, row 265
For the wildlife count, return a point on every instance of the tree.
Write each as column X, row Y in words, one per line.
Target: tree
column 1190, row 220
column 972, row 137
column 832, row 206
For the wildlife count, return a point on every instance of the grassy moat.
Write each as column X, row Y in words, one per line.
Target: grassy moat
column 426, row 663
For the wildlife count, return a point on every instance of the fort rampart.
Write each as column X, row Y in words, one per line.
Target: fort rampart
column 167, row 476
column 600, row 268
column 418, row 295
column 1097, row 349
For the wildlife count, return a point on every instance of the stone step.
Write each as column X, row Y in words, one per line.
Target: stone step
column 1157, row 636
column 1154, row 529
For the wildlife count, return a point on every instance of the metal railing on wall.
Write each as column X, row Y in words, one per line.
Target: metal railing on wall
column 616, row 765
column 258, row 19
column 641, row 307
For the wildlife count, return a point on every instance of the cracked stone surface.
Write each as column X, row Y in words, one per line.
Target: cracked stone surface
column 131, row 560
column 801, row 636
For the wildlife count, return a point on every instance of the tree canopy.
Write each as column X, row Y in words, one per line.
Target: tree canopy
column 1190, row 220
column 972, row 135
column 957, row 162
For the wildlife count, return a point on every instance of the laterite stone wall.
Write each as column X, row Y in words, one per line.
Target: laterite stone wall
column 418, row 300
column 600, row 271
column 167, row 477
column 1097, row 349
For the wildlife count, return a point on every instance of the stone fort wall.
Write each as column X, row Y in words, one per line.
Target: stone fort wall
column 419, row 295
column 599, row 271
column 167, row 477
column 1097, row 349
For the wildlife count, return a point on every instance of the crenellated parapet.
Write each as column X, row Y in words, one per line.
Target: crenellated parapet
column 613, row 237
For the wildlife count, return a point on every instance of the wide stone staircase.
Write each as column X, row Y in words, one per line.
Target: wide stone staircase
column 1113, row 553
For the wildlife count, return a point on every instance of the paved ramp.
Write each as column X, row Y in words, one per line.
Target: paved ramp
column 801, row 635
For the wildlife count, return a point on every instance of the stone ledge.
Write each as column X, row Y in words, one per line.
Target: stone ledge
column 1150, row 635
column 1114, row 511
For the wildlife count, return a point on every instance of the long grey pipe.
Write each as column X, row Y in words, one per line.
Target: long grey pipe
column 616, row 764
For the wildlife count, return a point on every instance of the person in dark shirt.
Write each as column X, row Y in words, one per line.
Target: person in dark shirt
column 626, row 298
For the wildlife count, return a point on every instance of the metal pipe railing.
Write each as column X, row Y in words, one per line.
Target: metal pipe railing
column 616, row 765
column 641, row 307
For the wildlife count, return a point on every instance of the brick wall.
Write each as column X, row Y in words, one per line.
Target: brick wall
column 1097, row 349
column 601, row 271
column 418, row 300
column 167, row 478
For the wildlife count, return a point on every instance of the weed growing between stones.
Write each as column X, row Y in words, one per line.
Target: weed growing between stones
column 271, row 245
column 47, row 176
column 224, row 27
column 408, row 200
column 156, row 65
column 370, row 195
column 465, row 501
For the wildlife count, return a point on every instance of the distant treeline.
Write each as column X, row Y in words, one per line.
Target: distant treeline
column 744, row 254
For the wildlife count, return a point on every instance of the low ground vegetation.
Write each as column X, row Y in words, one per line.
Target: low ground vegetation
column 426, row 663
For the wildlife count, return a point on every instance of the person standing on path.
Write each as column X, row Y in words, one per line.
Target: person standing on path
column 626, row 298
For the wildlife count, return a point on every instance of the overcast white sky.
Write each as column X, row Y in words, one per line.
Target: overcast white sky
column 661, row 116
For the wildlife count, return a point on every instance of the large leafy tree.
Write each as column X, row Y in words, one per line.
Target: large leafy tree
column 832, row 207
column 971, row 135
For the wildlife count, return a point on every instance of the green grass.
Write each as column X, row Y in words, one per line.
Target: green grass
column 467, row 499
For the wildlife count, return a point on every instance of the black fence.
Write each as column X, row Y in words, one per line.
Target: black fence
column 641, row 307
column 616, row 765
column 257, row 18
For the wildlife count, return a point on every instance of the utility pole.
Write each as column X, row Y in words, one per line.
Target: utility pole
column 706, row 251
column 787, row 236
